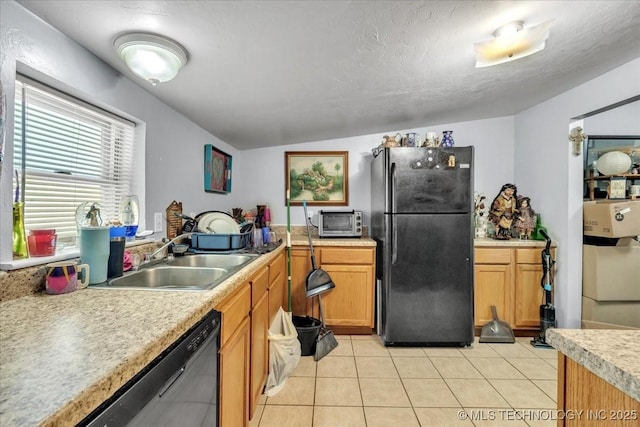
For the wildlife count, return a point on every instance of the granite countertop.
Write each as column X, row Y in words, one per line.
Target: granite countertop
column 297, row 240
column 516, row 243
column 63, row 355
column 299, row 237
column 610, row 354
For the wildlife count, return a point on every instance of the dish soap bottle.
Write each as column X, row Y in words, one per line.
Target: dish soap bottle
column 129, row 215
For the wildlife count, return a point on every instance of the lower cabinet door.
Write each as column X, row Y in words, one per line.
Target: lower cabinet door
column 259, row 350
column 300, row 268
column 277, row 297
column 234, row 378
column 350, row 303
column 492, row 287
column 528, row 296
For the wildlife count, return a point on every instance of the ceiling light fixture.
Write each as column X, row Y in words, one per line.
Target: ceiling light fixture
column 154, row 58
column 510, row 42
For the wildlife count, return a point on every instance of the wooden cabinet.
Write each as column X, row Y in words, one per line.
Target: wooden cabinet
column 349, row 306
column 234, row 358
column 350, row 303
column 509, row 278
column 277, row 286
column 259, row 338
column 528, row 293
column 300, row 268
column 598, row 403
column 244, row 351
column 492, row 271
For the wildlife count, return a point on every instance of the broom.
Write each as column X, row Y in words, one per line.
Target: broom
column 289, row 254
column 326, row 341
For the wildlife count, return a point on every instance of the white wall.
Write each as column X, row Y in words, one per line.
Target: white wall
column 173, row 160
column 623, row 120
column 265, row 179
column 530, row 149
column 553, row 177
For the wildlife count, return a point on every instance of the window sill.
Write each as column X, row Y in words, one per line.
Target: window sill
column 63, row 256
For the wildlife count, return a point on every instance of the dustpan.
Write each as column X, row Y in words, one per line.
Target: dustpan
column 497, row 331
column 318, row 281
column 326, row 341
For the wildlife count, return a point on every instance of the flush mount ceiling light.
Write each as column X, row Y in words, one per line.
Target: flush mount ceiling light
column 151, row 57
column 510, row 42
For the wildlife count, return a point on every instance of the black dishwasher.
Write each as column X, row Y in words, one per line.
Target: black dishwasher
column 179, row 388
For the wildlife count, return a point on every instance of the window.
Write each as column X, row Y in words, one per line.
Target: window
column 69, row 153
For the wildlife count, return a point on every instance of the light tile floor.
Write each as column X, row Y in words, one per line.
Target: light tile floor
column 361, row 383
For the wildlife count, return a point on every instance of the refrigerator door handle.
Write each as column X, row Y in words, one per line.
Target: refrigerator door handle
column 392, row 197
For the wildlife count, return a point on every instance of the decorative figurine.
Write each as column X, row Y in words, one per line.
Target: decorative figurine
column 577, row 136
column 526, row 219
column 503, row 210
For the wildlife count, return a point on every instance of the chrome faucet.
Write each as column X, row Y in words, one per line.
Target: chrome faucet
column 151, row 256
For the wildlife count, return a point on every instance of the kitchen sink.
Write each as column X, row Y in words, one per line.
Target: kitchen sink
column 187, row 273
column 212, row 260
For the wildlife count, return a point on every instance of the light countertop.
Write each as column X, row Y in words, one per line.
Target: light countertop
column 610, row 354
column 63, row 355
column 516, row 243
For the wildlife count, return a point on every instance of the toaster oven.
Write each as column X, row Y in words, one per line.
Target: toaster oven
column 340, row 223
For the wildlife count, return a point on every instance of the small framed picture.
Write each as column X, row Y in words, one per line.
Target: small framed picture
column 618, row 187
column 217, row 170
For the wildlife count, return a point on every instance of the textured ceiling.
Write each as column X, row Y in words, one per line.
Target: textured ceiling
column 266, row 73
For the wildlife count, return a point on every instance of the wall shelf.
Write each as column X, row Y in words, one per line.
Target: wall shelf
column 592, row 180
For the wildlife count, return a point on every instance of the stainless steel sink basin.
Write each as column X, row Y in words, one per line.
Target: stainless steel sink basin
column 212, row 260
column 188, row 273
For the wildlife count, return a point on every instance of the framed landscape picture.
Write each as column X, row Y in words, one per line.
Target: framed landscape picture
column 319, row 177
column 217, row 170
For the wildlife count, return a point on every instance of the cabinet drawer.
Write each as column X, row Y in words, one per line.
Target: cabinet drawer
column 492, row 256
column 531, row 256
column 346, row 256
column 276, row 268
column 259, row 285
column 234, row 310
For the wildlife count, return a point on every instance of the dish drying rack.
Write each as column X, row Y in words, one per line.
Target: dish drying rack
column 220, row 242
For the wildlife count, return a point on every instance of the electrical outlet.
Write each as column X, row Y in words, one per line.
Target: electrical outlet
column 310, row 214
column 157, row 222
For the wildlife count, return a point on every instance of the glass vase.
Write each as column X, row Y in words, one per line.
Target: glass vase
column 19, row 236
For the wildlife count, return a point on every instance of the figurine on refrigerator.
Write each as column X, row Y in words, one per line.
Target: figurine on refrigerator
column 503, row 211
column 526, row 219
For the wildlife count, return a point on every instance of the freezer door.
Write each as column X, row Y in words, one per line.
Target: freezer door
column 429, row 180
column 427, row 280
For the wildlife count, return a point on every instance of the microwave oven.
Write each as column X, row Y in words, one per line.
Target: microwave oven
column 340, row 224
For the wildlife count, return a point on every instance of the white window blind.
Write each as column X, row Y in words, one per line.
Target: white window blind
column 69, row 153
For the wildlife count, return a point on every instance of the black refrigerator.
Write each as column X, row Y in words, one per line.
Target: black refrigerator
column 422, row 221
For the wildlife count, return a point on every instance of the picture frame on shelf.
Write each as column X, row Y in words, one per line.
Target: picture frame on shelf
column 319, row 177
column 618, row 188
column 217, row 170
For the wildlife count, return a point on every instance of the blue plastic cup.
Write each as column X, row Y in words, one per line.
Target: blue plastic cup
column 94, row 251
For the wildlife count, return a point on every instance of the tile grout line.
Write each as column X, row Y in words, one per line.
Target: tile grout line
column 465, row 356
